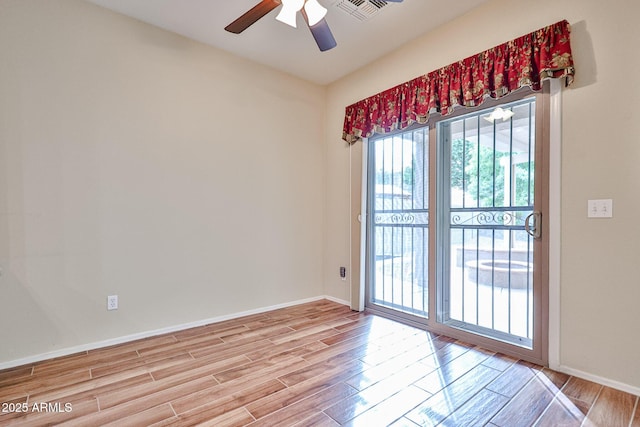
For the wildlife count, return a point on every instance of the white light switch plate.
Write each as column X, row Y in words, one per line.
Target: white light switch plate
column 601, row 208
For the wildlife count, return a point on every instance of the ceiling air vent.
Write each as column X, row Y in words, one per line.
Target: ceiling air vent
column 362, row 10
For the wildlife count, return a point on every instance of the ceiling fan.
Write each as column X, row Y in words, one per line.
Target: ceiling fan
column 312, row 12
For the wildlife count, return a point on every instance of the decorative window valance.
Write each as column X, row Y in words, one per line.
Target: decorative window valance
column 525, row 61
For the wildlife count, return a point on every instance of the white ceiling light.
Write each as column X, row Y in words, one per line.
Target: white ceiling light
column 290, row 8
column 315, row 11
column 499, row 113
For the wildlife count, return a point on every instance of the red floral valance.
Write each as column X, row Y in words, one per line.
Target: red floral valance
column 525, row 61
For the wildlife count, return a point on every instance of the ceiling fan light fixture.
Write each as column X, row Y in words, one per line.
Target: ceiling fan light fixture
column 315, row 11
column 289, row 11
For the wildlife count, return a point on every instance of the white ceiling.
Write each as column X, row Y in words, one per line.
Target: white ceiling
column 293, row 50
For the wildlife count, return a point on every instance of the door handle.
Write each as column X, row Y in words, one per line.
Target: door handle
column 533, row 229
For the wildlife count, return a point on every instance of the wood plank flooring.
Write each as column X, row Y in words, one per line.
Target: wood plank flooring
column 316, row 364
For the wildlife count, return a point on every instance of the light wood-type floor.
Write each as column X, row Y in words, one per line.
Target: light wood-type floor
column 316, row 364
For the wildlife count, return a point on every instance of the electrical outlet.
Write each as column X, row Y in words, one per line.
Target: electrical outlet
column 343, row 273
column 112, row 302
column 602, row 208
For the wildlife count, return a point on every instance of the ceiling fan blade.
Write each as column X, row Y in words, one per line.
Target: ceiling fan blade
column 252, row 16
column 321, row 33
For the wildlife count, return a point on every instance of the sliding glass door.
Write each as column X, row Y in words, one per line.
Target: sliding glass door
column 454, row 236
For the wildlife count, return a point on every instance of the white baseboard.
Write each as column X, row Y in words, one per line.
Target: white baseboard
column 338, row 300
column 128, row 338
column 597, row 379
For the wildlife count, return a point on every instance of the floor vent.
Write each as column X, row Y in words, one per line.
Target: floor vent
column 362, row 10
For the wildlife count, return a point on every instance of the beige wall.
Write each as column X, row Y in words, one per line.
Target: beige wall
column 599, row 291
column 135, row 162
column 194, row 184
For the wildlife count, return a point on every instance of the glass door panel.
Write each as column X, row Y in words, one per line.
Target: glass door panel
column 398, row 235
column 487, row 188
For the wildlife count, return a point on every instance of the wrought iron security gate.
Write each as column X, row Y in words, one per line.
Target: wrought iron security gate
column 487, row 194
column 454, row 233
column 398, row 237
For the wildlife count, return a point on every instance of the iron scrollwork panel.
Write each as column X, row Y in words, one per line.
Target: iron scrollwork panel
column 489, row 218
column 405, row 218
